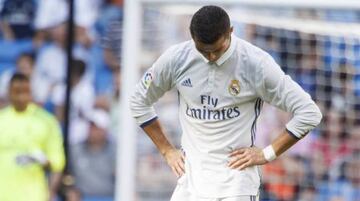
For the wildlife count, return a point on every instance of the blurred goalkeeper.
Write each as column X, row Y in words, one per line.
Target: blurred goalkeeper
column 30, row 143
column 222, row 82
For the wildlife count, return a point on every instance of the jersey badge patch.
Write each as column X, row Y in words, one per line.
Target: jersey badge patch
column 234, row 87
column 147, row 79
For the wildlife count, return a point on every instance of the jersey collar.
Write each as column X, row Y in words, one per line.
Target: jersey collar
column 226, row 55
column 29, row 109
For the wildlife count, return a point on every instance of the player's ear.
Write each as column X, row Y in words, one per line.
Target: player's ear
column 230, row 32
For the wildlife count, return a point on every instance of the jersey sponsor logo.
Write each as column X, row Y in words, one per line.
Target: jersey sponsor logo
column 186, row 83
column 207, row 113
column 147, row 79
column 234, row 87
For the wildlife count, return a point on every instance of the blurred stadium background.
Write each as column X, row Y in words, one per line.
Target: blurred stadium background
column 316, row 42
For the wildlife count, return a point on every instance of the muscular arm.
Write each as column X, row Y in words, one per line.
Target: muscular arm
column 156, row 134
column 283, row 142
column 173, row 157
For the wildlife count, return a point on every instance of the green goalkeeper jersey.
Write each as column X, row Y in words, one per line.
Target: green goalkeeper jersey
column 21, row 133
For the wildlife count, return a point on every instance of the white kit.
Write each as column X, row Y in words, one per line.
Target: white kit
column 219, row 105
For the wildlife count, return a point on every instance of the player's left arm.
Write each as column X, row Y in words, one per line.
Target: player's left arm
column 279, row 90
column 54, row 150
column 249, row 156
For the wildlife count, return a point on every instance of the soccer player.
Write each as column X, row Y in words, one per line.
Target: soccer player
column 30, row 144
column 222, row 82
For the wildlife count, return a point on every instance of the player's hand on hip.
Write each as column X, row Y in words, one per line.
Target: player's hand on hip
column 176, row 160
column 246, row 157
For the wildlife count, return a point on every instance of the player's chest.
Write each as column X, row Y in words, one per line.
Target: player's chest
column 214, row 85
column 21, row 133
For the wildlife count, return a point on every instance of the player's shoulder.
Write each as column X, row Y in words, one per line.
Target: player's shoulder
column 43, row 115
column 249, row 51
column 179, row 51
column 251, row 55
column 250, row 58
column 5, row 111
column 172, row 57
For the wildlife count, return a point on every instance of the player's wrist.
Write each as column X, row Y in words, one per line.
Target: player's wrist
column 167, row 151
column 269, row 153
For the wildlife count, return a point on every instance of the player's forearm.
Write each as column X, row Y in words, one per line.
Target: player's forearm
column 7, row 31
column 283, row 142
column 156, row 134
column 54, row 183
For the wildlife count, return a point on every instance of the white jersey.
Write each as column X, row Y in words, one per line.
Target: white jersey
column 219, row 105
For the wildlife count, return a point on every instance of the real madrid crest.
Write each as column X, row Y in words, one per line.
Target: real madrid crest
column 234, row 87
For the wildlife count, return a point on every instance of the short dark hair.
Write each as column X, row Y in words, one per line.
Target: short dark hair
column 30, row 55
column 19, row 77
column 209, row 23
column 78, row 68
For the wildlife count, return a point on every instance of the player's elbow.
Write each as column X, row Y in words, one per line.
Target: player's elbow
column 135, row 105
column 309, row 116
column 141, row 109
column 316, row 115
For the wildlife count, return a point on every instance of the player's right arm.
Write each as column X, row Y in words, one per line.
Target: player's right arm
column 155, row 82
column 173, row 156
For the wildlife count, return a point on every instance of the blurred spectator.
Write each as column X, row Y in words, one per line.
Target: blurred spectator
column 111, row 49
column 93, row 161
column 30, row 144
column 112, row 42
column 51, row 62
column 82, row 100
column 17, row 18
column 53, row 12
column 109, row 101
column 73, row 194
column 24, row 65
column 332, row 144
column 111, row 11
column 280, row 180
column 347, row 186
column 343, row 93
column 354, row 138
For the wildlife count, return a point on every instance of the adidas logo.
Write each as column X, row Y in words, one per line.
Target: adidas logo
column 187, row 83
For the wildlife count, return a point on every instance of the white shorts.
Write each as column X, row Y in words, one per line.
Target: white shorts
column 181, row 193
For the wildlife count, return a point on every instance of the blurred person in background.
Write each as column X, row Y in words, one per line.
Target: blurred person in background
column 112, row 41
column 112, row 10
column 82, row 99
column 331, row 143
column 222, row 82
column 24, row 65
column 51, row 61
column 17, row 18
column 93, row 161
column 110, row 102
column 347, row 186
column 354, row 138
column 110, row 30
column 72, row 194
column 30, row 145
column 278, row 181
column 52, row 12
